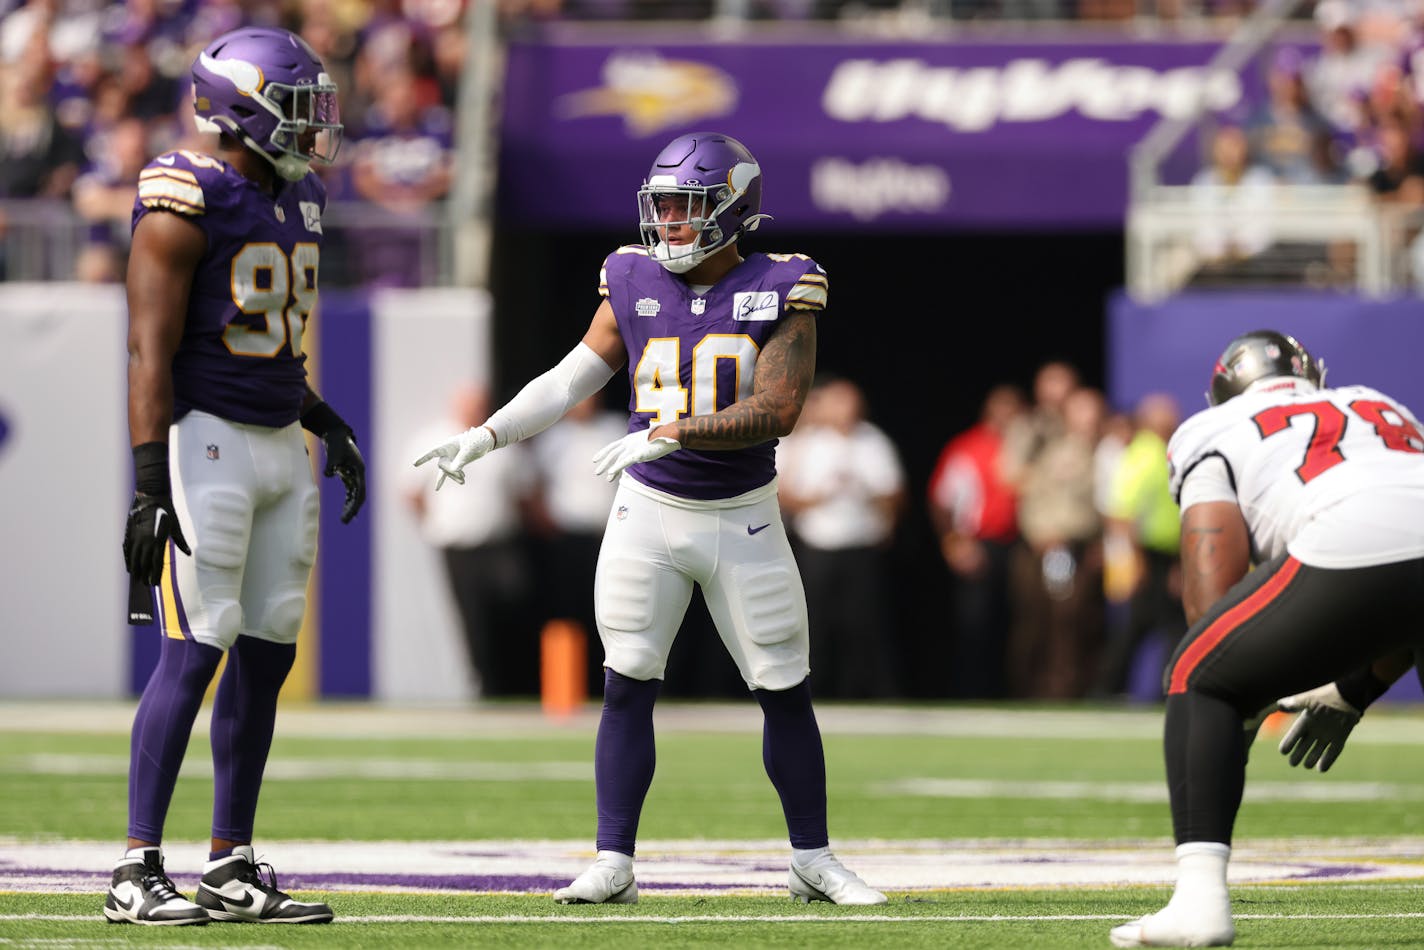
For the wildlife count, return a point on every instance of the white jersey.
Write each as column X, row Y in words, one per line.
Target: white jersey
column 1333, row 476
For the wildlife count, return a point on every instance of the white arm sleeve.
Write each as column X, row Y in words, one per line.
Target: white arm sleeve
column 544, row 399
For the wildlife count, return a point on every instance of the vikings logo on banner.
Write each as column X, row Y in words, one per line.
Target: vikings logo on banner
column 652, row 93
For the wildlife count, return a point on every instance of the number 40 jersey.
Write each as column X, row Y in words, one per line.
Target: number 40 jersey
column 240, row 357
column 1334, row 476
column 693, row 351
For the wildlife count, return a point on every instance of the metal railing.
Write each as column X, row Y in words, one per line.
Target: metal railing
column 1324, row 236
column 365, row 245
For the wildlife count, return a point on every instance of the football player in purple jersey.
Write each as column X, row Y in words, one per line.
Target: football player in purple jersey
column 222, row 533
column 720, row 349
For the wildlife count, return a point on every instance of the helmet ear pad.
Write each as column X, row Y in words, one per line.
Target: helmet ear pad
column 1260, row 355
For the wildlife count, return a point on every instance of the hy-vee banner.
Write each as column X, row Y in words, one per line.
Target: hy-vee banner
column 886, row 136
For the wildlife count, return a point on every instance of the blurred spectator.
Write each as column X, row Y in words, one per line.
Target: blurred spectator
column 1345, row 64
column 1142, row 538
column 104, row 197
column 974, row 513
column 842, row 488
column 1232, row 199
column 403, row 163
column 479, row 531
column 1400, row 176
column 1056, row 574
column 1029, row 432
column 1289, row 137
column 575, row 507
column 39, row 158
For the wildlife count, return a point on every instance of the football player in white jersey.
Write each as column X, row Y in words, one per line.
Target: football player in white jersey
column 1323, row 491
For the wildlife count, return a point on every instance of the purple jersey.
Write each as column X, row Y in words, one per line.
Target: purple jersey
column 693, row 354
column 241, row 354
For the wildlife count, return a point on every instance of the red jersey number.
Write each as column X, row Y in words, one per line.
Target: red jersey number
column 1323, row 452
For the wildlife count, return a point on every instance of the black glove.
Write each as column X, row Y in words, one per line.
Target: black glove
column 152, row 520
column 343, row 458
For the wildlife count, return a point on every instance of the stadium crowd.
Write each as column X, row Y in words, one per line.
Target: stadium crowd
column 92, row 90
column 1347, row 112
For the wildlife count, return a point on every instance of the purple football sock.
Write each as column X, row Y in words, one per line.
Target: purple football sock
column 795, row 762
column 244, row 714
column 624, row 758
column 161, row 729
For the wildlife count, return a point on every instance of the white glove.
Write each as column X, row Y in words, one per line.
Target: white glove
column 633, row 448
column 1319, row 732
column 458, row 452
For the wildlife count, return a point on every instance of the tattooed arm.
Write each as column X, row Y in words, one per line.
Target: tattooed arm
column 1216, row 553
column 783, row 375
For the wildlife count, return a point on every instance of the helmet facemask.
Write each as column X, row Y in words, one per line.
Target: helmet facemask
column 661, row 207
column 664, row 203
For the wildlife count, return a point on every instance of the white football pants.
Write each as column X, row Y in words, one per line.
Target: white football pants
column 246, row 498
column 654, row 551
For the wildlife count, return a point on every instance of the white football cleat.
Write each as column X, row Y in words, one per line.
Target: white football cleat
column 826, row 879
column 1171, row 927
column 609, row 880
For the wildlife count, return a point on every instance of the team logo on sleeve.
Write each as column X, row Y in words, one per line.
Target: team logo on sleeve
column 756, row 305
column 647, row 307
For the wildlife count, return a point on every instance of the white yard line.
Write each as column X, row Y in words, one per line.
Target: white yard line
column 830, row 917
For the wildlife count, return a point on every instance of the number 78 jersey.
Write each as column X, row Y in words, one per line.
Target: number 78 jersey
column 693, row 353
column 1334, row 476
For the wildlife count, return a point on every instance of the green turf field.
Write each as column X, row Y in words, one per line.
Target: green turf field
column 987, row 827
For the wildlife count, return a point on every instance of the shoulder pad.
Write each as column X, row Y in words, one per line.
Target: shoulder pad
column 182, row 181
column 809, row 288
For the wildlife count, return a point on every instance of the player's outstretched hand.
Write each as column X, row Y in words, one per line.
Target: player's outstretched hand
column 633, row 448
column 455, row 453
column 1319, row 732
column 343, row 458
column 152, row 522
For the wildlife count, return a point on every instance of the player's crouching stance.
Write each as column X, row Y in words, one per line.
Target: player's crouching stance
column 1326, row 488
column 720, row 353
column 222, row 278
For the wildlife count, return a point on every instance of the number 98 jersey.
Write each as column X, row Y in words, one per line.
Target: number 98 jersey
column 1334, row 476
column 241, row 357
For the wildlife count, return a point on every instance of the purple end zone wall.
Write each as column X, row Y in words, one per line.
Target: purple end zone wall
column 1171, row 347
column 345, row 560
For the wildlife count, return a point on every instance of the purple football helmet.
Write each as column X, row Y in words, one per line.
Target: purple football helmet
column 268, row 89
column 704, row 180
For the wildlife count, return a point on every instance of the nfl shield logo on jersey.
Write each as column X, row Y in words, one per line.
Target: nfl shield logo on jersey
column 212, row 452
column 698, row 306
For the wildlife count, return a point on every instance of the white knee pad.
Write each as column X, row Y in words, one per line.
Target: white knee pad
column 769, row 611
column 282, row 619
column 625, row 602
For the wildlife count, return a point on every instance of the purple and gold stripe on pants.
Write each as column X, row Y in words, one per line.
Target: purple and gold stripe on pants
column 173, row 619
